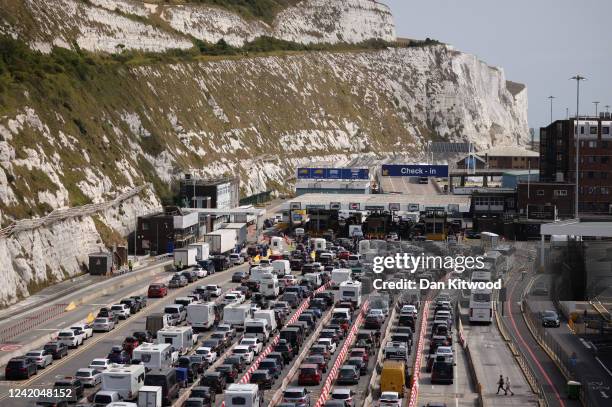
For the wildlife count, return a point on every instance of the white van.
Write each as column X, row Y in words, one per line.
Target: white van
column 124, row 379
column 179, row 337
column 341, row 313
column 201, row 315
column 269, row 316
column 177, row 313
column 350, row 291
column 242, row 395
column 281, row 267
column 256, row 328
column 354, row 260
column 154, row 355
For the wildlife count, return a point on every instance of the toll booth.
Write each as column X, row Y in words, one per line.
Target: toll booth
column 436, row 227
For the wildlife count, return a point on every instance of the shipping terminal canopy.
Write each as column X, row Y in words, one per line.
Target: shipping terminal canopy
column 577, row 228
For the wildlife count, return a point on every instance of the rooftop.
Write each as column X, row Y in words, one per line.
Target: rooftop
column 508, row 151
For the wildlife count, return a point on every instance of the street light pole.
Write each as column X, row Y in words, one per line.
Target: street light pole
column 577, row 78
column 551, row 104
column 607, row 108
column 596, row 104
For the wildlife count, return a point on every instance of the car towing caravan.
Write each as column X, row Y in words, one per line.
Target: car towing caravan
column 126, row 380
column 242, row 395
column 155, row 355
column 350, row 291
column 201, row 315
column 179, row 337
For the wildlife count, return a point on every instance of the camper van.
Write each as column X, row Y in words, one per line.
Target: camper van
column 277, row 244
column 269, row 316
column 318, row 243
column 256, row 328
column 242, row 395
column 339, row 276
column 201, row 315
column 236, row 314
column 268, row 286
column 258, row 271
column 315, row 278
column 179, row 337
column 124, row 379
column 154, row 355
column 350, row 291
column 281, row 267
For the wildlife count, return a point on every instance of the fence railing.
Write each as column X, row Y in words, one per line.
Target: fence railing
column 23, row 325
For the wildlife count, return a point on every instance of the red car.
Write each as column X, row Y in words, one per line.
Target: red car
column 362, row 352
column 343, row 254
column 157, row 291
column 309, row 374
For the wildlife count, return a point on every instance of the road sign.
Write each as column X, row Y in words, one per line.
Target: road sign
column 401, row 170
column 354, row 206
column 394, row 206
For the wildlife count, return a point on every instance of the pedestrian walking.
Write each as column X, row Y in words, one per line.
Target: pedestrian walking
column 507, row 388
column 500, row 383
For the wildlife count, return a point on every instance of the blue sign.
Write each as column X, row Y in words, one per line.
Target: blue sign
column 333, row 173
column 400, row 170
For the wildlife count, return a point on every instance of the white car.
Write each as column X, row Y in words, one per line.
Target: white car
column 408, row 309
column 103, row 324
column 86, row 328
column 41, row 357
column 236, row 259
column 80, row 333
column 69, row 338
column 377, row 312
column 240, row 296
column 344, row 394
column 89, row 377
column 389, row 399
column 122, row 310
column 255, row 344
column 208, row 354
column 100, row 364
column 331, row 345
column 445, row 351
column 246, row 352
column 231, row 298
column 214, row 290
column 200, row 272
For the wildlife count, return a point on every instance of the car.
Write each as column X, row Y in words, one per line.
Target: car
column 334, row 403
column 119, row 356
column 57, row 349
column 331, row 345
column 359, row 364
column 237, row 361
column 348, row 374
column 122, row 310
column 214, row 345
column 190, row 275
column 472, row 234
column 192, row 367
column 540, row 289
column 246, row 352
column 157, row 290
column 129, row 344
column 389, row 399
column 273, row 366
column 223, row 337
column 344, row 394
column 108, row 313
column 285, row 349
column 177, row 281
column 236, row 259
column 205, row 393
column 310, row 375
column 20, row 368
column 255, row 344
column 322, row 350
column 361, row 352
column 262, row 378
column 214, row 290
column 373, row 322
column 298, row 395
column 79, row 333
column 201, row 362
column 231, row 298
column 228, row 371
column 40, row 357
column 103, row 325
column 141, row 299
column 239, row 295
column 208, row 353
column 246, row 292
column 227, row 328
column 318, row 360
column 143, row 336
column 71, row 386
column 200, row 272
column 550, row 319
column 89, row 377
column 86, row 328
column 132, row 304
column 215, row 381
column 69, row 338
column 444, row 351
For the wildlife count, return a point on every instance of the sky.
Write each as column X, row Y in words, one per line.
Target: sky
column 534, row 41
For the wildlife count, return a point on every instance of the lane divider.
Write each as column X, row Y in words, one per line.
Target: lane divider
column 416, row 372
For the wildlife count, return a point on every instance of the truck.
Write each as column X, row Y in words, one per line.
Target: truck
column 242, row 395
column 281, row 267
column 203, row 250
column 201, row 315
column 155, row 322
column 241, row 231
column 155, row 355
column 126, row 380
column 350, row 291
column 185, row 257
column 269, row 316
column 236, row 314
column 338, row 276
column 221, row 241
column 256, row 328
column 150, row 396
column 179, row 337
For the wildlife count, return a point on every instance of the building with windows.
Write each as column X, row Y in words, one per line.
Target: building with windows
column 221, row 193
column 165, row 231
column 546, row 200
column 509, row 157
column 558, row 159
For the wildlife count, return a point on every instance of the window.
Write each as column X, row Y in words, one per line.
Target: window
column 540, row 192
column 581, row 129
column 593, row 130
column 605, row 130
column 145, row 225
column 560, row 192
column 593, row 144
column 604, row 191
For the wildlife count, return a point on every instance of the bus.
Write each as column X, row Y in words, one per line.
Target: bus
column 481, row 306
column 480, row 276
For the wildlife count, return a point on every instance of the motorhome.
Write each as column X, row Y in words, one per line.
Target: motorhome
column 154, row 355
column 340, row 275
column 277, row 245
column 350, row 291
column 201, row 315
column 281, row 267
column 354, row 260
column 258, row 271
column 155, row 322
column 179, row 337
column 315, row 278
column 268, row 286
column 269, row 316
column 150, row 396
column 236, row 314
column 242, row 395
column 318, row 243
column 256, row 328
column 124, row 379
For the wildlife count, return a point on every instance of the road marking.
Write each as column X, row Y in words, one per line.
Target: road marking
column 586, row 345
column 10, row 348
column 603, row 365
column 604, row 395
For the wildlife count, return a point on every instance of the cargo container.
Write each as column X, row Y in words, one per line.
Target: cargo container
column 221, row 241
column 185, row 257
column 241, row 231
column 203, row 250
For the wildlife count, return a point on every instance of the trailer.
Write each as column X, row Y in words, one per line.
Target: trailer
column 269, row 316
column 126, row 380
column 236, row 314
column 221, row 241
column 339, row 276
column 185, row 257
column 179, row 337
column 241, row 231
column 154, row 355
column 203, row 250
column 201, row 315
column 350, row 291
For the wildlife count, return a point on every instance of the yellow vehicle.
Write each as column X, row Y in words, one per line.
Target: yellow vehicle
column 393, row 377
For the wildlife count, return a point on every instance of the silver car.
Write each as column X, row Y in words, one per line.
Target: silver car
column 41, row 357
column 89, row 377
column 103, row 324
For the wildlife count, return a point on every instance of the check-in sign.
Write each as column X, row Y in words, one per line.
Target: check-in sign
column 401, row 170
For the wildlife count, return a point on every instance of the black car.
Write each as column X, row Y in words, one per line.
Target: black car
column 58, row 350
column 348, row 374
column 205, row 393
column 359, row 363
column 119, row 356
column 132, row 303
column 279, row 358
column 214, row 344
column 262, row 378
column 141, row 299
column 285, row 349
column 190, row 276
column 20, row 368
column 72, row 386
column 220, row 262
column 192, row 367
column 108, row 313
column 550, row 319
column 229, row 372
column 237, row 361
column 201, row 361
column 143, row 336
column 215, row 381
column 239, row 276
column 272, row 366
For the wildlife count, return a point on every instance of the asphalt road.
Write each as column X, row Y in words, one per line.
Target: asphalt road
column 407, row 185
